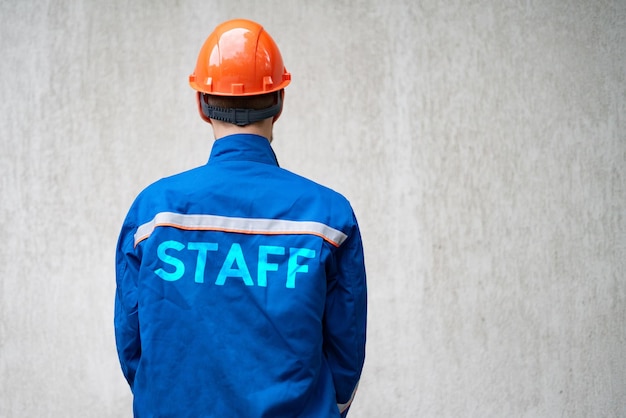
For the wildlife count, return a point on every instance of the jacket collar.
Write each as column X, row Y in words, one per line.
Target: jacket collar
column 243, row 147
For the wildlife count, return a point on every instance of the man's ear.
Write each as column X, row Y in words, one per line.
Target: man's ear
column 282, row 101
column 199, row 103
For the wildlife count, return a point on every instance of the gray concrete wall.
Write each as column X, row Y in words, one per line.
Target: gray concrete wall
column 482, row 144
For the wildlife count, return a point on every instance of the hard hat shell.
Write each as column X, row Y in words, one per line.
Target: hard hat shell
column 239, row 59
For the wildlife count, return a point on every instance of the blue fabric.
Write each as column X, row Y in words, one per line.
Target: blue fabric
column 212, row 323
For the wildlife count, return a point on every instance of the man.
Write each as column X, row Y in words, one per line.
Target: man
column 240, row 286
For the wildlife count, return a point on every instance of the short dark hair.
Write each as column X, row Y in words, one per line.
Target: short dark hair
column 256, row 102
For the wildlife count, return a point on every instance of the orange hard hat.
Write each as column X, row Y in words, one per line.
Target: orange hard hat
column 239, row 59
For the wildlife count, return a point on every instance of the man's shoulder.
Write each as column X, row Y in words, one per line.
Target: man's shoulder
column 313, row 186
column 175, row 180
column 162, row 191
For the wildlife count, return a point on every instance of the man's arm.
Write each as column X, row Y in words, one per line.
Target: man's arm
column 345, row 318
column 126, row 303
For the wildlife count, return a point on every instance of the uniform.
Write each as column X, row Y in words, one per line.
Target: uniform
column 240, row 292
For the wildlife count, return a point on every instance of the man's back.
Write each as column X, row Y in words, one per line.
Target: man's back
column 241, row 291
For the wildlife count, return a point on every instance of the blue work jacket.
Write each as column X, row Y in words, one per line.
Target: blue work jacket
column 240, row 292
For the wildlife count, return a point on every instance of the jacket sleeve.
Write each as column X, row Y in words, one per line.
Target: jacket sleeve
column 126, row 304
column 345, row 318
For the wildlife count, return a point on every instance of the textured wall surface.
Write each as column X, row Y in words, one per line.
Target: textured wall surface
column 481, row 143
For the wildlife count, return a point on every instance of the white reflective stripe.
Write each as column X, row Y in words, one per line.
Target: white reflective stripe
column 343, row 406
column 239, row 225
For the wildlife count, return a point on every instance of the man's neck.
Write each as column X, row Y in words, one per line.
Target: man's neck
column 262, row 128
